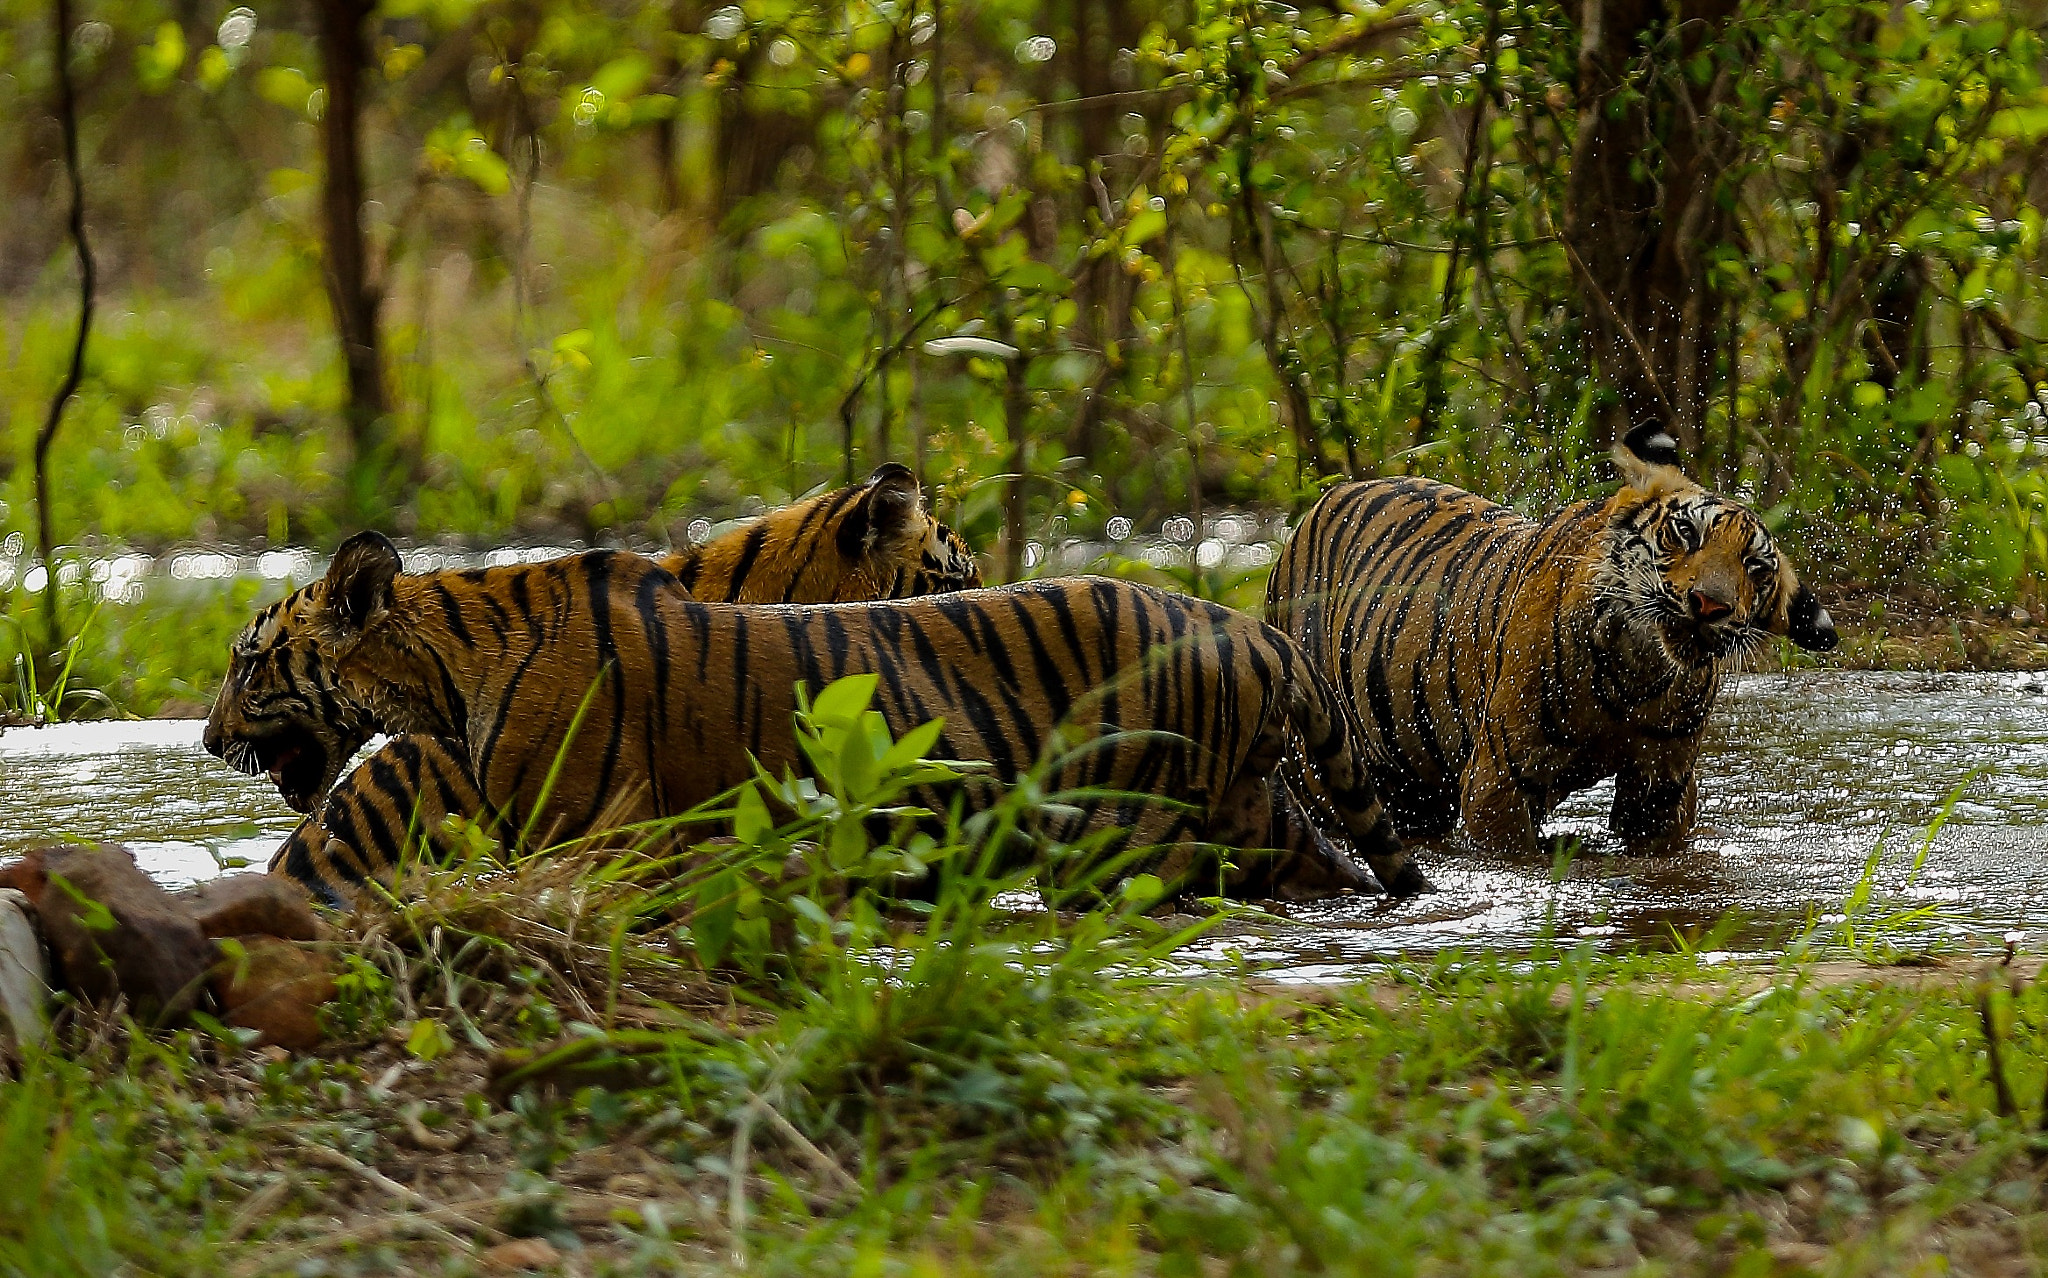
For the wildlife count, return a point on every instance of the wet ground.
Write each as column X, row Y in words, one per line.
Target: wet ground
column 1804, row 776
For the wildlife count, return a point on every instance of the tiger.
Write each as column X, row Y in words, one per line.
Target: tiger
column 677, row 699
column 1499, row 664
column 873, row 540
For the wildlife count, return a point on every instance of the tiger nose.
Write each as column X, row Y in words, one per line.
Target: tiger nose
column 1706, row 607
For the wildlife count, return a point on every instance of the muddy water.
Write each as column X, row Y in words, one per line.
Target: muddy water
column 1804, row 776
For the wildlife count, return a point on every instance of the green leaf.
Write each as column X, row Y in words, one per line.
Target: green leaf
column 484, row 168
column 848, row 847
column 914, row 745
column 94, row 915
column 1144, row 226
column 842, row 700
column 856, row 766
column 1143, row 891
column 750, row 822
column 429, row 1040
column 717, row 912
column 156, row 65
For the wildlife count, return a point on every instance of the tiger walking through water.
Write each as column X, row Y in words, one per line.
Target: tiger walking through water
column 683, row 696
column 872, row 540
column 1499, row 664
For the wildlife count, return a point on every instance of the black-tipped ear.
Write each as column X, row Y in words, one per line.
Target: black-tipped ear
column 888, row 501
column 359, row 580
column 1647, row 458
column 1652, row 444
column 1808, row 624
column 893, row 499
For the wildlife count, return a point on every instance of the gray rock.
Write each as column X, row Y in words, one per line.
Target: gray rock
column 24, row 974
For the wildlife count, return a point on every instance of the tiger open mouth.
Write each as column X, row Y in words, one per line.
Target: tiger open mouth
column 296, row 762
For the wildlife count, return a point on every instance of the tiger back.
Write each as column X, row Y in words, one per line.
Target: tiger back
column 658, row 702
column 1499, row 664
column 873, row 540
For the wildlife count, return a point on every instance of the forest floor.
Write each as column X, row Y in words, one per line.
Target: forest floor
column 514, row 1084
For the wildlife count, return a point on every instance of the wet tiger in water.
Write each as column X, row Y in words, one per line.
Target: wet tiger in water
column 872, row 540
column 1499, row 664
column 658, row 702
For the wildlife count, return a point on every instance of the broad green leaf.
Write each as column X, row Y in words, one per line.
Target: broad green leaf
column 751, row 822
column 717, row 912
column 429, row 1040
column 912, row 746
column 842, row 700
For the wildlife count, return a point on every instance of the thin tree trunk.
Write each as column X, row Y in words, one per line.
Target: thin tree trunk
column 67, row 117
column 353, row 295
column 1641, row 214
column 1016, row 424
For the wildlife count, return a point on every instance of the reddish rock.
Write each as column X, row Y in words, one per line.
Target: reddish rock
column 520, row 1254
column 275, row 987
column 253, row 903
column 26, row 875
column 113, row 930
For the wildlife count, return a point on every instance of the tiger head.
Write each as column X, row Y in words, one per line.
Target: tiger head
column 1698, row 571
column 282, row 710
column 898, row 545
column 872, row 540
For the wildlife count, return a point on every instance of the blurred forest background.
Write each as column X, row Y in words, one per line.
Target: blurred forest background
column 515, row 271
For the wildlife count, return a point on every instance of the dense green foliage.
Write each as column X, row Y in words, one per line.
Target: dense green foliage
column 638, row 263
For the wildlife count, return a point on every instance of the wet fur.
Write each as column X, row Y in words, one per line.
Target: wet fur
column 495, row 663
column 872, row 540
column 1499, row 664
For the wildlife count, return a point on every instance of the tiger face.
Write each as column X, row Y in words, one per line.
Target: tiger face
column 280, row 710
column 1698, row 571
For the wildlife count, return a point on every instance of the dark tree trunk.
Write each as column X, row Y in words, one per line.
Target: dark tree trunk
column 352, row 293
column 67, row 119
column 1642, row 213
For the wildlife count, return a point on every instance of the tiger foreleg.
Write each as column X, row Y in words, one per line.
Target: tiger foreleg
column 1651, row 813
column 1497, row 813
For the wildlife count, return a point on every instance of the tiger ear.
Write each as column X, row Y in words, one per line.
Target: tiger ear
column 1808, row 624
column 1647, row 458
column 889, row 501
column 359, row 580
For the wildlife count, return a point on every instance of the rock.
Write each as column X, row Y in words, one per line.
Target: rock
column 275, row 987
column 113, row 930
column 520, row 1253
column 24, row 975
column 26, row 875
column 253, row 903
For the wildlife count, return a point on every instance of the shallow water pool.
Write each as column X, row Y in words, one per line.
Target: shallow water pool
column 1804, row 775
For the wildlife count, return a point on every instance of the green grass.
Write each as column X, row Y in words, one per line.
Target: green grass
column 734, row 1064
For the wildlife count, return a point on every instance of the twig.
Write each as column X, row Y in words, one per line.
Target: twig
column 819, row 1159
column 410, row 1197
column 461, row 1212
column 257, row 1206
column 67, row 117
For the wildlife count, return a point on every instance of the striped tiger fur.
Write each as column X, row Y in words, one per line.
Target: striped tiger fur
column 684, row 694
column 1499, row 664
column 873, row 540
